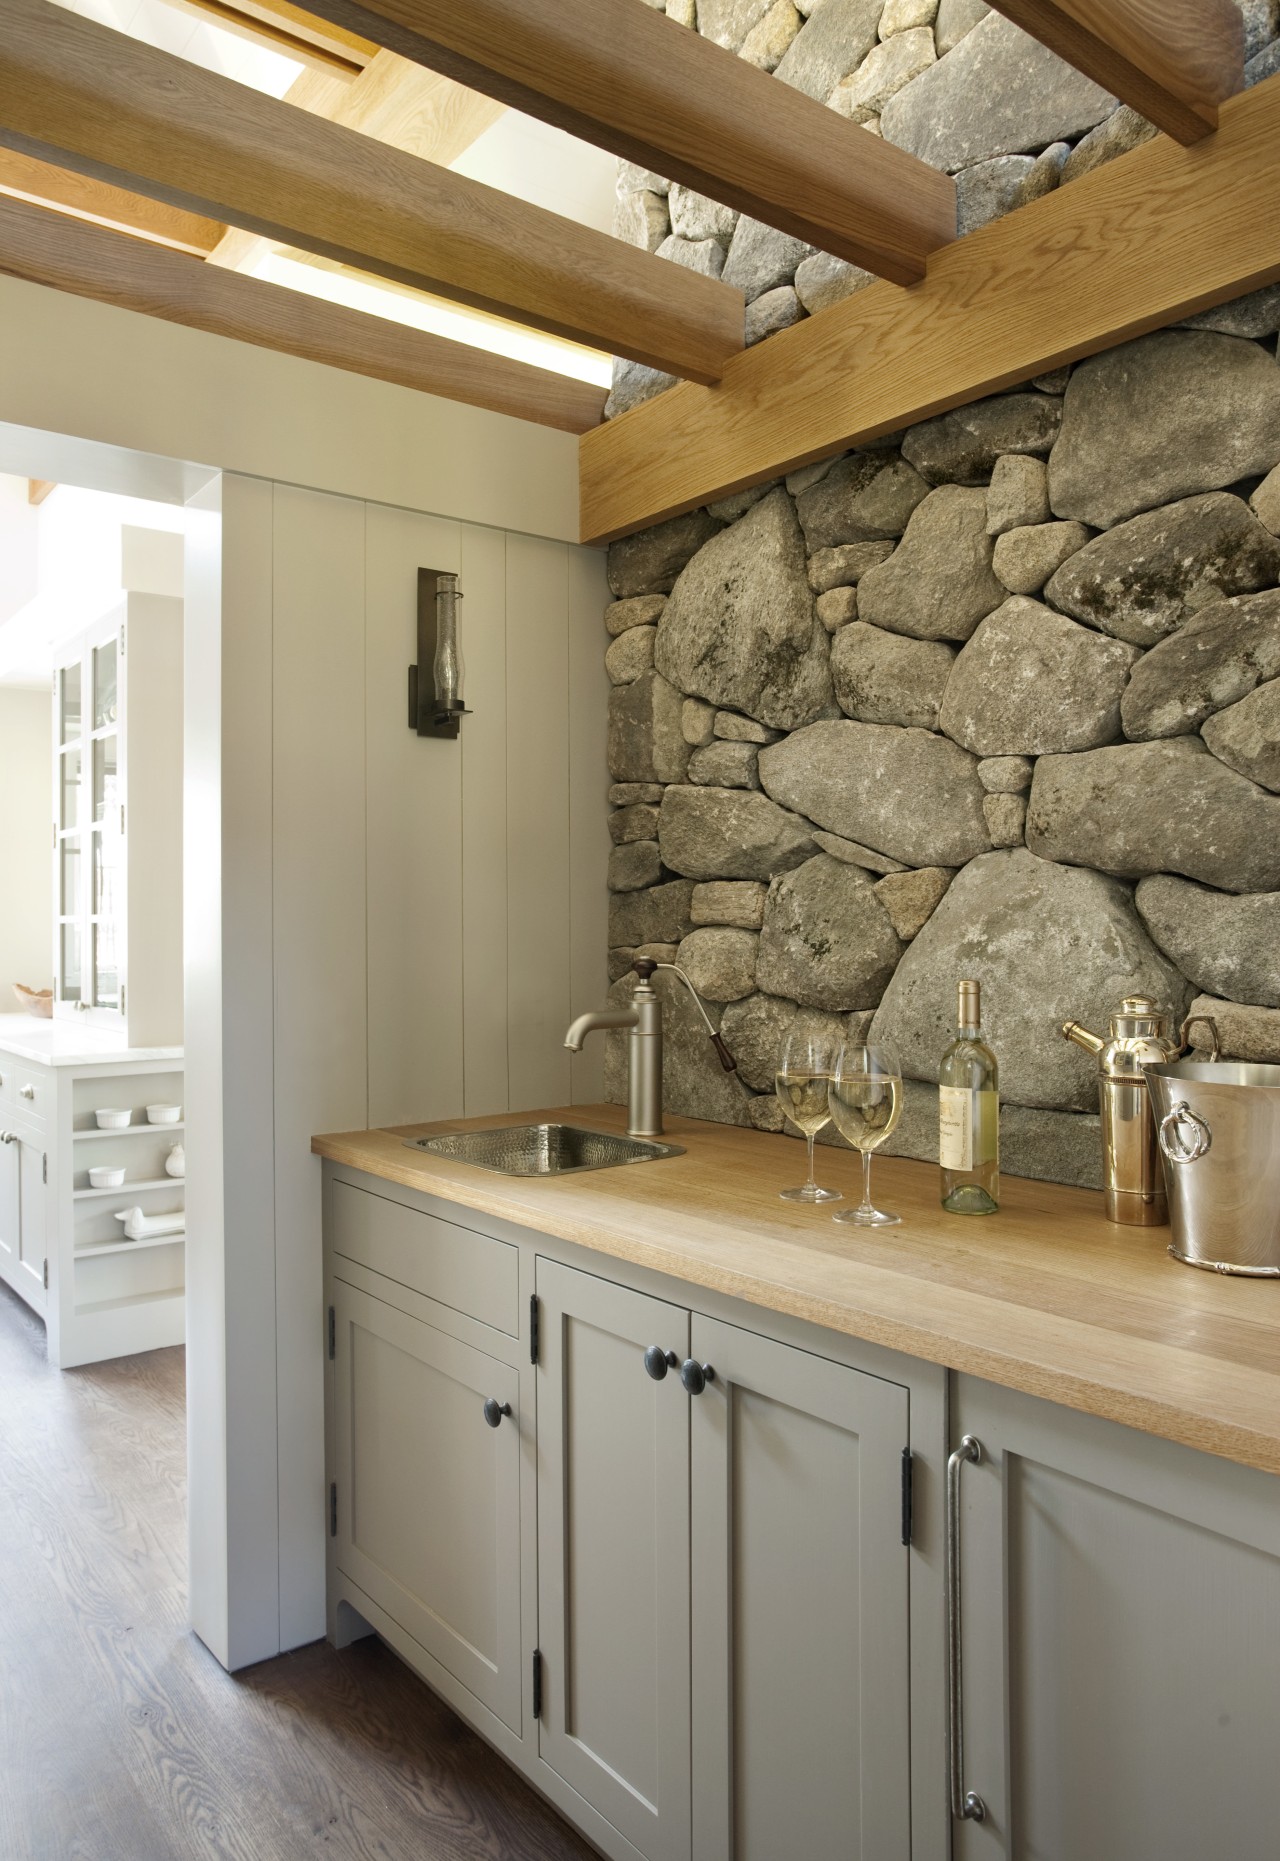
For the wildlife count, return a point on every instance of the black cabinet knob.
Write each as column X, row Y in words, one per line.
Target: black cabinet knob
column 495, row 1410
column 695, row 1376
column 657, row 1361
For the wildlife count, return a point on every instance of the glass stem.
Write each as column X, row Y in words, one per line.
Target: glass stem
column 866, row 1180
column 808, row 1138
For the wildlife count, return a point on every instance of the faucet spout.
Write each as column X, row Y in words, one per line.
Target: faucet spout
column 604, row 1018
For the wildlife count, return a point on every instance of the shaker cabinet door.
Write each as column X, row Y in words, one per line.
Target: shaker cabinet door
column 801, row 1723
column 1119, row 1626
column 613, row 1555
column 31, row 1231
column 428, row 1493
column 10, row 1208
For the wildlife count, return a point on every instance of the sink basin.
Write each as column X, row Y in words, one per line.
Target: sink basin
column 542, row 1149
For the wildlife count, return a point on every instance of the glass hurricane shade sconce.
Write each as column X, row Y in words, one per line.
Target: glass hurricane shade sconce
column 435, row 683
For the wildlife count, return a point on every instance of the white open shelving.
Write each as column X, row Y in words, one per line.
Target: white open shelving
column 128, row 1188
column 131, row 1130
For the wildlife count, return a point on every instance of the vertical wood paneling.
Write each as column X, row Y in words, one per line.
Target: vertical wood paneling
column 414, row 829
column 486, row 1086
column 319, row 833
column 588, row 811
column 538, row 954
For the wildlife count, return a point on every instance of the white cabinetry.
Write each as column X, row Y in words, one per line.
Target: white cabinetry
column 1120, row 1622
column 118, row 824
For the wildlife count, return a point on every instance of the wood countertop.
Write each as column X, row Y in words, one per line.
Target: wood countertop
column 1046, row 1297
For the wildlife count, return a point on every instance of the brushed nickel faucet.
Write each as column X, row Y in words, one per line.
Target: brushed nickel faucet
column 644, row 1045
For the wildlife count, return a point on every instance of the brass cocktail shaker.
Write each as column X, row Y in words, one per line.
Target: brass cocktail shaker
column 1132, row 1175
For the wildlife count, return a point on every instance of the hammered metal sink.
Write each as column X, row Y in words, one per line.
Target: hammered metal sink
column 542, row 1149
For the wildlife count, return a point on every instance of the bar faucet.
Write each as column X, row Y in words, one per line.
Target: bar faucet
column 644, row 1045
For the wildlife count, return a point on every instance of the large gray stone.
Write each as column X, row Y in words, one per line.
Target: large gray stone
column 1027, row 556
column 638, row 821
column 698, row 722
column 906, row 793
column 865, row 497
column 776, row 310
column 725, row 765
column 835, row 39
column 1018, row 493
column 962, row 448
column 729, row 727
column 1246, row 736
column 650, row 561
column 634, row 866
column 633, row 384
column 640, row 610
column 845, row 566
column 1244, row 1033
column 630, row 794
column 728, row 22
column 1048, row 943
column 1226, row 944
column 836, row 608
column 1255, row 315
column 755, row 1032
column 1171, row 414
column 998, row 93
column 761, row 258
column 882, row 74
column 767, row 41
column 1006, row 819
column 1214, row 659
column 739, row 629
column 646, row 743
column 660, row 915
column 827, row 941
column 1167, row 806
column 1006, row 775
column 630, row 655
column 729, row 833
column 1141, row 580
column 989, row 190
column 720, row 962
column 955, row 19
column 694, row 216
column 1123, row 130
column 911, row 898
column 694, row 1083
column 640, row 217
column 823, row 280
column 1031, row 681
column 705, row 256
column 737, row 902
column 939, row 583
column 855, row 855
column 885, row 678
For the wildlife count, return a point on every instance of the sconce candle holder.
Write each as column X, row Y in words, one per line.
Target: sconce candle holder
column 435, row 683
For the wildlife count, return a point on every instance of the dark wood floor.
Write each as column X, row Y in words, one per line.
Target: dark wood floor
column 121, row 1738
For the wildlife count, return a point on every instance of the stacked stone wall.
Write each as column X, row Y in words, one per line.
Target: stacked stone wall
column 999, row 696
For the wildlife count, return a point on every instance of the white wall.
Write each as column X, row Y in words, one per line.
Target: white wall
column 405, row 927
column 26, row 867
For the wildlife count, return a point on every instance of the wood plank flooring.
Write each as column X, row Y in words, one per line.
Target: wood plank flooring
column 122, row 1739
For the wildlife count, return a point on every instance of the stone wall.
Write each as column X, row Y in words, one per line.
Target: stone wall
column 999, row 696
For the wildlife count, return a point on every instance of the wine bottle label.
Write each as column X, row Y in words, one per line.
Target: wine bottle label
column 968, row 1127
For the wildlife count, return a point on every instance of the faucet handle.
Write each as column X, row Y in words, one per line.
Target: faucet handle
column 644, row 967
column 727, row 1060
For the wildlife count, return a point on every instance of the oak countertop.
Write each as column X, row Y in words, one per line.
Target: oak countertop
column 1046, row 1297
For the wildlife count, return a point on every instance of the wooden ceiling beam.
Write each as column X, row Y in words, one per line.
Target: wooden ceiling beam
column 1159, row 234
column 77, row 94
column 1174, row 61
column 41, row 182
column 91, row 261
column 288, row 29
column 626, row 78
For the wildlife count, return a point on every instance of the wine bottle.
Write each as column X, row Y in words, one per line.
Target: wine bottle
column 969, row 1114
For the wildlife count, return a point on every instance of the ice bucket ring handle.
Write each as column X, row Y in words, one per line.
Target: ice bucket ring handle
column 1177, row 1148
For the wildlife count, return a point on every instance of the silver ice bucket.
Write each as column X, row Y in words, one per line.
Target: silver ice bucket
column 1219, row 1135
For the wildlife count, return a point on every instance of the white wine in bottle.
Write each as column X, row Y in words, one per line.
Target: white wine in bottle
column 969, row 1114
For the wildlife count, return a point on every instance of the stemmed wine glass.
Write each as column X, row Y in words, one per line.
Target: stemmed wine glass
column 803, row 1080
column 866, row 1103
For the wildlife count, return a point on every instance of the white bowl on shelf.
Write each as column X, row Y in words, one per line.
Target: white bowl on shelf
column 111, row 1119
column 164, row 1114
column 104, row 1178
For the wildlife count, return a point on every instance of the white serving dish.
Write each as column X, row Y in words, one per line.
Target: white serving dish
column 111, row 1119
column 105, row 1178
column 164, row 1114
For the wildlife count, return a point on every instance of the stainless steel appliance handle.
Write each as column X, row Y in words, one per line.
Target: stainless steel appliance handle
column 1174, row 1146
column 966, row 1805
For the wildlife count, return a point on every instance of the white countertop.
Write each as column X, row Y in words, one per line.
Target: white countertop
column 64, row 1043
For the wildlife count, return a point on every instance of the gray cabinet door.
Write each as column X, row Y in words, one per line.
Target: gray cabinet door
column 11, row 1211
column 428, row 1494
column 613, row 1556
column 1121, row 1620
column 31, row 1248
column 801, row 1721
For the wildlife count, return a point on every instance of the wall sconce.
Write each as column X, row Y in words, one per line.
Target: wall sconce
column 435, row 683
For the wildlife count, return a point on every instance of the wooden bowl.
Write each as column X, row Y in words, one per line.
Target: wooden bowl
column 37, row 1002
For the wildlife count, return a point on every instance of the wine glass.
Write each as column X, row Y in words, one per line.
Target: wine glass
column 866, row 1103
column 803, row 1080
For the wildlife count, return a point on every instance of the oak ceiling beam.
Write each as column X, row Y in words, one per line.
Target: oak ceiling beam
column 91, row 261
column 1174, row 61
column 77, row 94
column 48, row 186
column 628, row 79
column 1158, row 234
column 288, row 29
